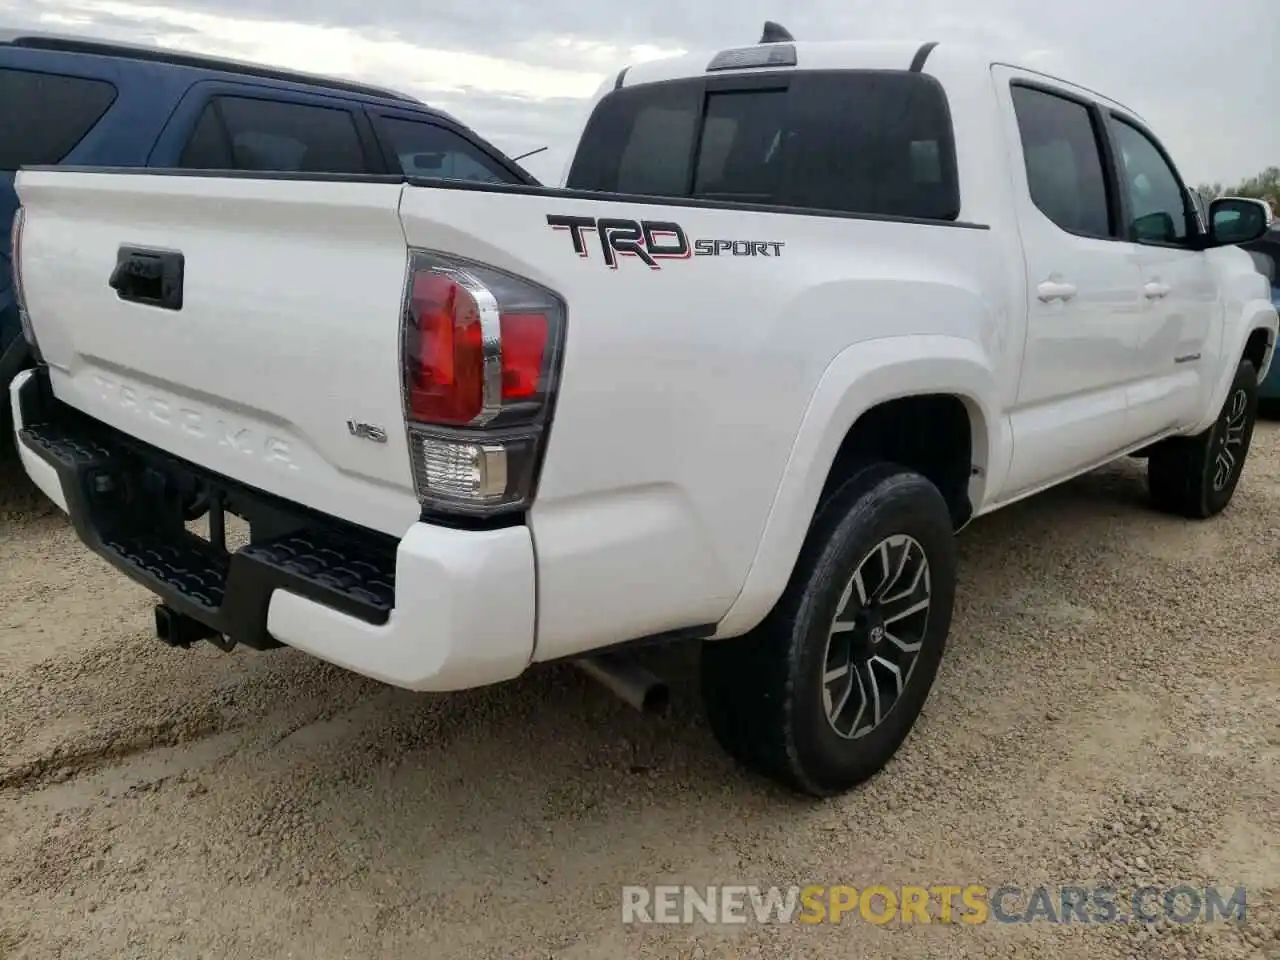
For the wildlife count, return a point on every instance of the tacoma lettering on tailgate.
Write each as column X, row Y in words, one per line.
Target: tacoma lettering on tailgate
column 652, row 240
column 201, row 425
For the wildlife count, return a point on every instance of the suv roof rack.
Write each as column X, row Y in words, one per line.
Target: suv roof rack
column 107, row 48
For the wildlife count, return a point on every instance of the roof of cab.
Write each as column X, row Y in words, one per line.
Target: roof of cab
column 851, row 54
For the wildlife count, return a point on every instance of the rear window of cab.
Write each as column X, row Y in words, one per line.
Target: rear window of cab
column 857, row 142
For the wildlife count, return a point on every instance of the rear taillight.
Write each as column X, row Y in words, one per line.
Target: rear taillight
column 15, row 255
column 481, row 352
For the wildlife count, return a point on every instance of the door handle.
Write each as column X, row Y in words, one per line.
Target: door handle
column 150, row 277
column 1052, row 290
column 1155, row 290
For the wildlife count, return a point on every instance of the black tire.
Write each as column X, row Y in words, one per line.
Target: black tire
column 1196, row 477
column 764, row 693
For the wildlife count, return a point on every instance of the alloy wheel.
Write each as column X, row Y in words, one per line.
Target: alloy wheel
column 876, row 636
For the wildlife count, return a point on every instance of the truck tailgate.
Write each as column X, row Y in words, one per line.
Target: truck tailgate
column 287, row 331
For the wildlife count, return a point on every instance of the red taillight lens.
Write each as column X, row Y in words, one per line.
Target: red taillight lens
column 458, row 335
column 524, row 348
column 446, row 352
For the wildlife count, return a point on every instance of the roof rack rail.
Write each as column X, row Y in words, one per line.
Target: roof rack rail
column 776, row 33
column 107, row 48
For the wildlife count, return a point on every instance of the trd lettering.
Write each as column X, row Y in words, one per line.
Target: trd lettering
column 651, row 241
column 738, row 248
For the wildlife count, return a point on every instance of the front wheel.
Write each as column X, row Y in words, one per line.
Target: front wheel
column 823, row 692
column 1197, row 476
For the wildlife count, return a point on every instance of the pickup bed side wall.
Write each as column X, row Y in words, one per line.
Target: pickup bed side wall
column 692, row 387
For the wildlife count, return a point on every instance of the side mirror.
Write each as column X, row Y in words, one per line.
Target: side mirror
column 1237, row 220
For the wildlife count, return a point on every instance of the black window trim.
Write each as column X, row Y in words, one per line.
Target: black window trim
column 375, row 114
column 1191, row 219
column 72, row 74
column 781, row 79
column 1112, row 186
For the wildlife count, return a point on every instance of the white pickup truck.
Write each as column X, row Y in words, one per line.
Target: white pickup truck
column 799, row 313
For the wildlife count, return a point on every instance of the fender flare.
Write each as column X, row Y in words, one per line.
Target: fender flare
column 860, row 377
column 1257, row 315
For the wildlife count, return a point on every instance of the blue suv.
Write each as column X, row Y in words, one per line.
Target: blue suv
column 85, row 102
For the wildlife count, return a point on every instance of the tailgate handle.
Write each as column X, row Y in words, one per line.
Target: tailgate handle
column 150, row 277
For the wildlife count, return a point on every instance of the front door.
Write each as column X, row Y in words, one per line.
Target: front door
column 1178, row 285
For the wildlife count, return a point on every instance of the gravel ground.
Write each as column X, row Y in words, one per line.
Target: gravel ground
column 1108, row 713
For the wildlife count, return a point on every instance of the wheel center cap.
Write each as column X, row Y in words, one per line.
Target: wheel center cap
column 874, row 626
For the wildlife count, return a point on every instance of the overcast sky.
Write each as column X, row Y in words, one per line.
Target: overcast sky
column 1203, row 74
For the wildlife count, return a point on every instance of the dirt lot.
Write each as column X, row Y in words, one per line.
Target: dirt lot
column 1108, row 713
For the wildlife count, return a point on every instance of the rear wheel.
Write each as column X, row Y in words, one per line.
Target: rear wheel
column 1197, row 476
column 821, row 695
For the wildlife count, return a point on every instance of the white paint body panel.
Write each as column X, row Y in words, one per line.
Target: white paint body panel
column 700, row 405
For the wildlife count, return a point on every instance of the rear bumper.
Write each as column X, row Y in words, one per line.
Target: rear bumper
column 440, row 609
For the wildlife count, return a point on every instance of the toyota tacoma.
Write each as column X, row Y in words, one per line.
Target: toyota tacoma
column 796, row 315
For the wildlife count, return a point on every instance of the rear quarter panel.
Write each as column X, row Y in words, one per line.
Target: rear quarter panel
column 685, row 384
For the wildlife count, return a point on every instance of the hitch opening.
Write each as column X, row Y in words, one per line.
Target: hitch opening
column 178, row 630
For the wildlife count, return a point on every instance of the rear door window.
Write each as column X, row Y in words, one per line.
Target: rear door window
column 849, row 141
column 429, row 150
column 1062, row 154
column 244, row 133
column 44, row 115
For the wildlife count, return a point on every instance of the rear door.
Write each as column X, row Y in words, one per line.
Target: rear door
column 1084, row 305
column 42, row 118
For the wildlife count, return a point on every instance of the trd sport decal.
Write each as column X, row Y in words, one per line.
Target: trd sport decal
column 651, row 241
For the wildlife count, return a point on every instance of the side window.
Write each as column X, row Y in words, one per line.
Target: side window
column 1063, row 160
column 209, row 147
column 44, row 115
column 1158, row 209
column 274, row 136
column 428, row 150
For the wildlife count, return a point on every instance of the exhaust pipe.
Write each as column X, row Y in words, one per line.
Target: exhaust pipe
column 628, row 680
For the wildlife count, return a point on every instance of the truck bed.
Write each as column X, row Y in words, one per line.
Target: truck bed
column 686, row 375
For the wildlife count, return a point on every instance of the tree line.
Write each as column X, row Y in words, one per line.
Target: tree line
column 1264, row 186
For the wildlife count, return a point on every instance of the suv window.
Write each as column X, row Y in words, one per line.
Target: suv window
column 1158, row 208
column 1061, row 151
column 849, row 141
column 427, row 150
column 240, row 133
column 44, row 115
